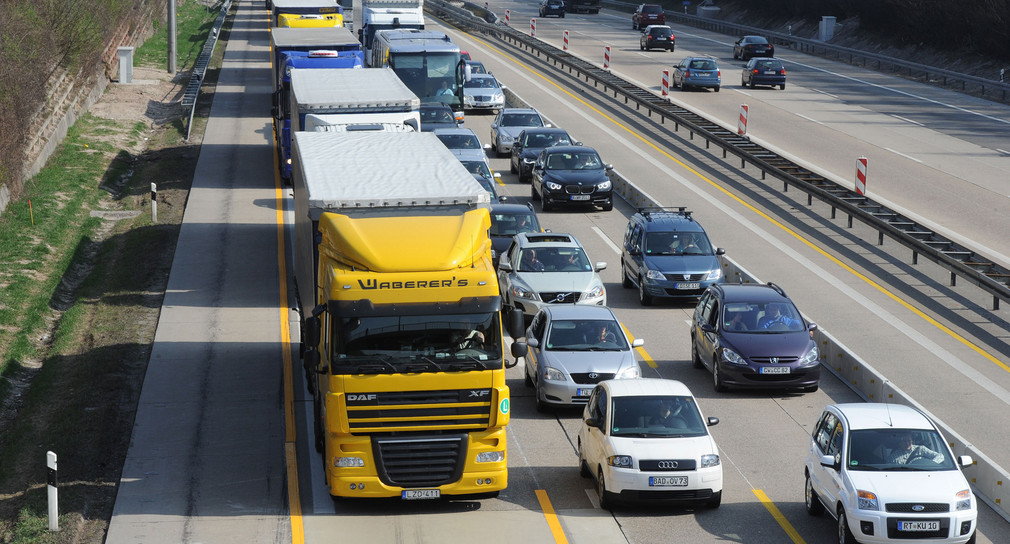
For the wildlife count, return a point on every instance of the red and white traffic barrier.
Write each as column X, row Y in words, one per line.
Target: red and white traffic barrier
column 741, row 125
column 507, row 13
column 533, row 28
column 666, row 82
column 861, row 175
column 606, row 58
column 565, row 46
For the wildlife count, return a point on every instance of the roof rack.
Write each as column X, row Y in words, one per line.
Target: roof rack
column 649, row 210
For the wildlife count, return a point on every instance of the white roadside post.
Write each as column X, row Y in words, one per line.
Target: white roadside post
column 154, row 202
column 54, row 510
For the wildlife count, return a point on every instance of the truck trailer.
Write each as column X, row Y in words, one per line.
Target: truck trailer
column 401, row 332
column 386, row 15
column 282, row 11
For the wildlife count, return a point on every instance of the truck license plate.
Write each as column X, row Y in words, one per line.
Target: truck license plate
column 420, row 494
column 918, row 525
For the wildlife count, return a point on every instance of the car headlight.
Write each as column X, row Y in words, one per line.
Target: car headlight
column 519, row 291
column 553, row 374
column 529, row 161
column 552, row 185
column 505, row 138
column 498, row 97
column 866, row 500
column 709, row 460
column 655, row 275
column 810, row 357
column 606, row 185
column 963, row 500
column 623, row 461
column 732, row 357
column 468, row 100
column 629, row 373
column 714, row 275
column 596, row 292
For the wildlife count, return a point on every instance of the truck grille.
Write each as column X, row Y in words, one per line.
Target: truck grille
column 454, row 410
column 422, row 461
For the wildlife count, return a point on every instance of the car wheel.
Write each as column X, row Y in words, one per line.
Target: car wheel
column 782, row 87
column 527, row 379
column 583, row 467
column 606, row 502
column 814, row 505
column 634, row 26
column 512, row 168
column 625, row 280
column 695, row 358
column 715, row 500
column 845, row 535
column 717, row 89
column 971, row 539
column 717, row 382
column 743, row 83
column 609, row 205
column 643, row 296
column 641, row 47
column 533, row 192
column 751, row 84
column 562, row 15
column 542, row 406
column 735, row 55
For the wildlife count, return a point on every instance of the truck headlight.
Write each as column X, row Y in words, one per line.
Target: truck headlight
column 348, row 462
column 491, row 457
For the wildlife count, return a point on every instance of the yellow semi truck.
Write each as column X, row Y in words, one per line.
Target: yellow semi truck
column 401, row 333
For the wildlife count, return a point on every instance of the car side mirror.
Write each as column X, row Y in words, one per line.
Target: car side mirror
column 497, row 175
column 494, row 126
column 487, row 147
column 509, row 363
column 576, row 143
column 533, row 342
column 812, row 327
column 707, row 327
column 831, row 461
column 720, row 251
column 637, row 342
column 593, row 422
column 608, row 166
column 713, row 421
column 519, row 348
column 504, row 265
column 600, row 266
column 634, row 251
column 965, row 461
column 548, row 125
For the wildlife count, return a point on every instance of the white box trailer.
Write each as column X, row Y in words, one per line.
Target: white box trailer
column 341, row 100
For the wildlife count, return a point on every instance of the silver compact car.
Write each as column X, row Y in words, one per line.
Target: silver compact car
column 509, row 123
column 571, row 349
column 548, row 268
column 483, row 92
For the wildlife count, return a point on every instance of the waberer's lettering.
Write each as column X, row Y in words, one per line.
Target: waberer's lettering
column 371, row 284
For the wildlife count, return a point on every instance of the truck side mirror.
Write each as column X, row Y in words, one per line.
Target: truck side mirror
column 516, row 325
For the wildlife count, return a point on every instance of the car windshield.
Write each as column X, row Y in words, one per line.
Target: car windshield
column 460, row 141
column 898, row 449
column 481, row 83
column 768, row 65
column 755, row 40
column 585, row 335
column 554, row 259
column 476, row 68
column 762, row 318
column 521, row 120
column 703, row 64
column 478, row 167
column 661, row 32
column 677, row 243
column 509, row 224
column 652, row 9
column 581, row 160
column 437, row 116
column 657, row 417
column 547, row 140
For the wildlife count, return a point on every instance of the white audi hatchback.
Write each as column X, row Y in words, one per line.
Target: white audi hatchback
column 646, row 440
column 886, row 474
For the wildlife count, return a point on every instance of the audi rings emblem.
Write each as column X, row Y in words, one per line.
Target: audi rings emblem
column 668, row 464
column 593, row 375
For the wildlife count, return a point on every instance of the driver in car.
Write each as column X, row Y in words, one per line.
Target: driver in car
column 905, row 451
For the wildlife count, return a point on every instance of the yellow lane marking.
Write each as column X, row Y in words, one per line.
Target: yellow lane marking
column 552, row 518
column 793, row 535
column 641, row 351
column 966, row 342
column 294, row 499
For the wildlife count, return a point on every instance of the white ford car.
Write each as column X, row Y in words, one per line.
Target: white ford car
column 886, row 474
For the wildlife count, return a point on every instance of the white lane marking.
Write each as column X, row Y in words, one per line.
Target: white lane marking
column 606, row 239
column 811, row 119
column 745, row 93
column 903, row 155
column 1003, row 151
column 593, row 498
column 824, row 93
column 907, row 120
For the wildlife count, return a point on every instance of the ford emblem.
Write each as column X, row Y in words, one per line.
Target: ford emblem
column 918, row 508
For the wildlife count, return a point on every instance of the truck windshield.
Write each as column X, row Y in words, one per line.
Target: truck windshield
column 442, row 340
column 431, row 76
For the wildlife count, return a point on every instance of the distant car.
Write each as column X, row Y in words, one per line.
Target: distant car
column 701, row 72
column 572, row 175
column 483, row 92
column 582, row 6
column 437, row 116
column 752, row 46
column 762, row 71
column 476, row 67
column 572, row 348
column 547, row 268
column 647, row 14
column 752, row 335
column 657, row 37
column 552, row 7
column 509, row 123
column 646, row 440
column 667, row 254
column 460, row 139
column 490, row 185
column 886, row 474
column 507, row 220
column 528, row 145
column 477, row 164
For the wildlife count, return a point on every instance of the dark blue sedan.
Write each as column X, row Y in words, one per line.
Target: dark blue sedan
column 762, row 71
column 569, row 175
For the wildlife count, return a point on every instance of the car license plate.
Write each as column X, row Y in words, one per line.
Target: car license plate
column 420, row 494
column 775, row 370
column 918, row 525
column 667, row 481
column 702, row 74
column 583, row 392
column 694, row 286
column 769, row 72
column 580, row 197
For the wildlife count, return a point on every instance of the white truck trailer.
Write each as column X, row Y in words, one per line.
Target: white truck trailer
column 379, row 15
column 347, row 100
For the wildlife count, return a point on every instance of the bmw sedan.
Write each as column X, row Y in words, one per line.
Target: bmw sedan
column 572, row 348
column 752, row 46
column 572, row 175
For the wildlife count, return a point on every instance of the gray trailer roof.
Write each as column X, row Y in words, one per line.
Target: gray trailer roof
column 351, row 90
column 346, row 171
column 283, row 37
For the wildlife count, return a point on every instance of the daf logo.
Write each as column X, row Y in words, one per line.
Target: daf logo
column 668, row 464
column 593, row 375
column 479, row 393
column 918, row 508
column 363, row 396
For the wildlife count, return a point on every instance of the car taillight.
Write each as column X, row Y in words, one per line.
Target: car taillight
column 755, row 70
column 718, row 73
column 687, row 73
column 782, row 72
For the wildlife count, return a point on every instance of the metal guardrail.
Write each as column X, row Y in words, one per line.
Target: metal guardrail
column 958, row 259
column 948, row 79
column 192, row 92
